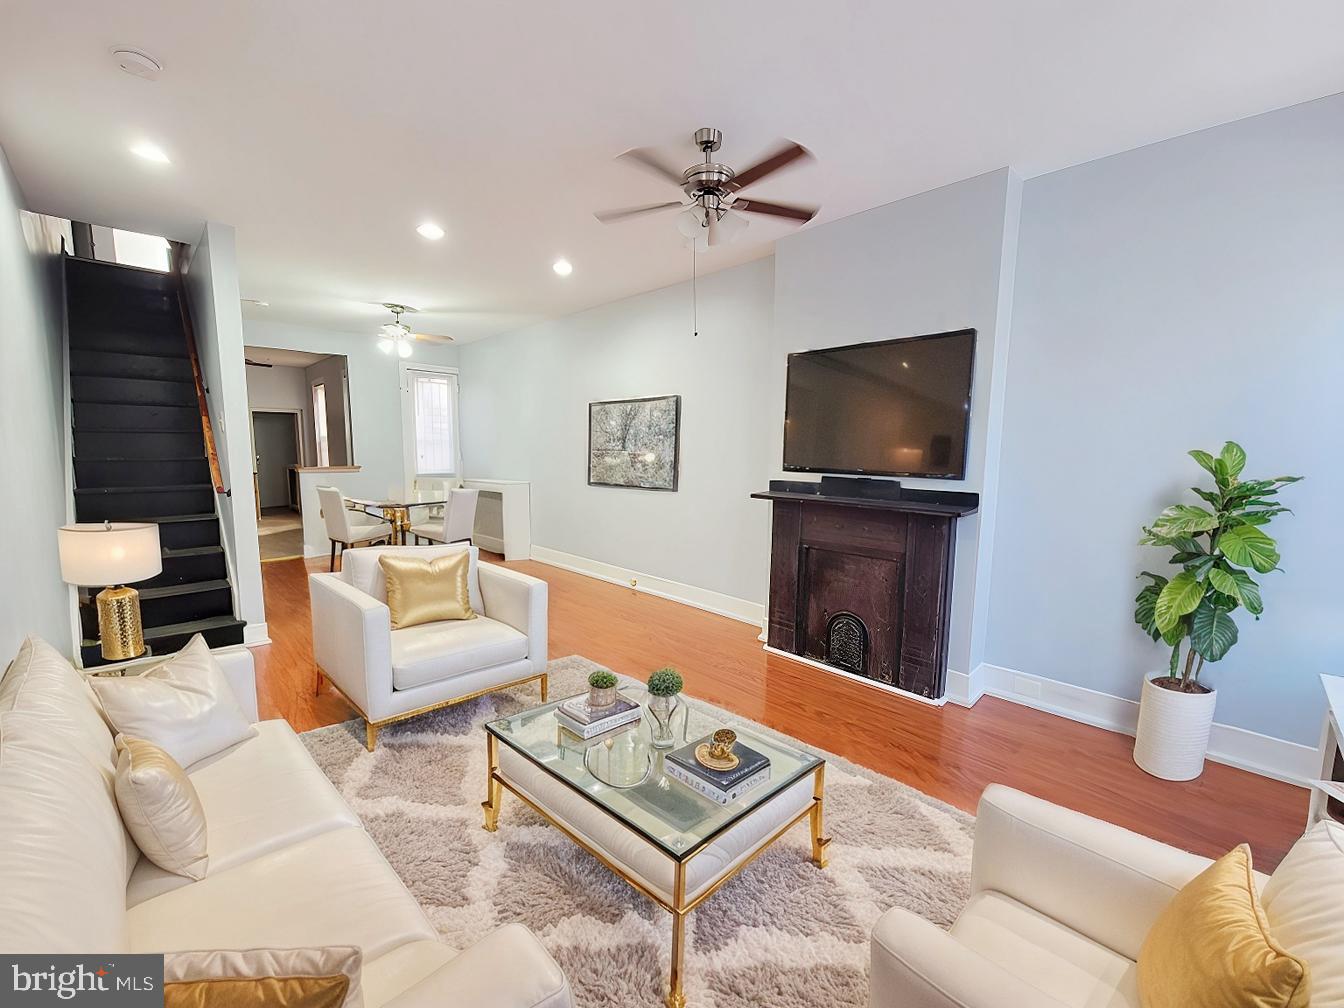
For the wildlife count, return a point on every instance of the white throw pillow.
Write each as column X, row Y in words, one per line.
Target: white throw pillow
column 160, row 807
column 185, row 706
column 299, row 977
column 1303, row 901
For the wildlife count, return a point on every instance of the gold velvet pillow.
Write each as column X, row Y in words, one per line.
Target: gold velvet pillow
column 160, row 807
column 427, row 591
column 1211, row 947
column 263, row 978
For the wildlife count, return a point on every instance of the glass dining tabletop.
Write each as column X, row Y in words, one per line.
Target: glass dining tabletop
column 402, row 501
column 622, row 772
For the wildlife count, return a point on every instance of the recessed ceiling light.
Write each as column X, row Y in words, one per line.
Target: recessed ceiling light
column 562, row 267
column 150, row 152
column 430, row 230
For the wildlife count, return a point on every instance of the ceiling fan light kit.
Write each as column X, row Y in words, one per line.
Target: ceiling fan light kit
column 396, row 336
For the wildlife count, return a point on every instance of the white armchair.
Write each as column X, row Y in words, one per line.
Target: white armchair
column 1060, row 905
column 390, row 675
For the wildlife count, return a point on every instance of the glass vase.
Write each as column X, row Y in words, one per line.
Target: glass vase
column 662, row 711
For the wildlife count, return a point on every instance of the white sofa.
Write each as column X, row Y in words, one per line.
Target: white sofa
column 390, row 675
column 1060, row 906
column 290, row 865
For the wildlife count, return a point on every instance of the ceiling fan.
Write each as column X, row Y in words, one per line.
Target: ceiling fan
column 713, row 214
column 397, row 335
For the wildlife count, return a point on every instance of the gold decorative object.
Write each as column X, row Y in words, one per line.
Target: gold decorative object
column 717, row 753
column 119, row 623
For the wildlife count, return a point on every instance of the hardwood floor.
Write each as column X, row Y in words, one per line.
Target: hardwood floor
column 950, row 752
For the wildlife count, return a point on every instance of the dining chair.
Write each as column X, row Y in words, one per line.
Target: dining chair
column 345, row 527
column 459, row 519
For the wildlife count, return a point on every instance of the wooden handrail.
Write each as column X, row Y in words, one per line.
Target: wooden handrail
column 179, row 261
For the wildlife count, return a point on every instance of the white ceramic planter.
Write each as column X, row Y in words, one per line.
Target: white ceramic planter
column 1173, row 733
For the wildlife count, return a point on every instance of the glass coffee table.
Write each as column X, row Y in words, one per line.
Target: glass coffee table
column 612, row 798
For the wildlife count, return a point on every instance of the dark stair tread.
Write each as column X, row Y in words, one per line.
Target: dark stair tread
column 192, row 588
column 143, row 461
column 178, row 488
column 126, row 353
column 93, row 428
column 170, row 379
column 173, row 519
column 190, row 627
column 188, row 551
column 131, row 402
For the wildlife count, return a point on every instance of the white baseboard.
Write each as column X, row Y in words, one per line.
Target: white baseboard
column 963, row 688
column 700, row 598
column 1237, row 747
column 256, row 634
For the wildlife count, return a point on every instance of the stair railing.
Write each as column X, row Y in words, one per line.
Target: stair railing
column 178, row 263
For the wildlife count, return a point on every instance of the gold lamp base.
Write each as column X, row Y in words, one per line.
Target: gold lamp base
column 119, row 623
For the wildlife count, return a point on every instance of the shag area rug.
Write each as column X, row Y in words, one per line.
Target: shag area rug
column 782, row 933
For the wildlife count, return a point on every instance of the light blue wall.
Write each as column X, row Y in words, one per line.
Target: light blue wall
column 33, row 458
column 1169, row 298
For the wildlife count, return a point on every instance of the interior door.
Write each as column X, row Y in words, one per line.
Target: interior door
column 275, row 436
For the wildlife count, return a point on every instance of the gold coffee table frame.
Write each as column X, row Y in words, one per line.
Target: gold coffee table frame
column 679, row 906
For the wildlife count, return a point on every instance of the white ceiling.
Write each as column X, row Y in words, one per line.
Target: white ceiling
column 282, row 358
column 326, row 131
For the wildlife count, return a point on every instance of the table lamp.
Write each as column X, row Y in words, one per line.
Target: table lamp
column 112, row 554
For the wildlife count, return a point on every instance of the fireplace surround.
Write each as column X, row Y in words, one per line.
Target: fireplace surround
column 861, row 578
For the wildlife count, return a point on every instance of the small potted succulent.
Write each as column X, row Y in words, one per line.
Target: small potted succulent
column 664, row 685
column 601, row 689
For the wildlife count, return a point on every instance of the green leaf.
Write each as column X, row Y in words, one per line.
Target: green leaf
column 1247, row 546
column 1179, row 632
column 1184, row 519
column 1158, row 579
column 1208, row 496
column 1204, row 459
column 1201, row 566
column 1144, row 605
column 1178, row 597
column 1233, row 456
column 1248, row 592
column 1212, row 632
column 1223, row 581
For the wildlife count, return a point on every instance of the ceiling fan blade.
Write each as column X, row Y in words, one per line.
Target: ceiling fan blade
column 426, row 338
column 645, row 158
column 783, row 156
column 800, row 214
column 608, row 216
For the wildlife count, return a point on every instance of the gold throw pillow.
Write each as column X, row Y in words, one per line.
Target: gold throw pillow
column 1211, row 947
column 427, row 591
column 263, row 978
column 160, row 807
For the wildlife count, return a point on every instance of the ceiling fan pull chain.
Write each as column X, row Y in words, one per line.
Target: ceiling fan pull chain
column 695, row 303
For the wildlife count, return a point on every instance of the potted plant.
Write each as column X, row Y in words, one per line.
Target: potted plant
column 664, row 685
column 1215, row 548
column 601, row 689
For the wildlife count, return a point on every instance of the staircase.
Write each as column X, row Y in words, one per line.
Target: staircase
column 140, row 448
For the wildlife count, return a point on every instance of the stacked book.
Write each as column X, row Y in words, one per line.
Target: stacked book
column 721, row 786
column 587, row 722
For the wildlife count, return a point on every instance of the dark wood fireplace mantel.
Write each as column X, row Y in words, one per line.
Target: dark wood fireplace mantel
column 861, row 577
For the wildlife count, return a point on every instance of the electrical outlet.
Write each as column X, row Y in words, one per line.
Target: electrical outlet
column 1027, row 686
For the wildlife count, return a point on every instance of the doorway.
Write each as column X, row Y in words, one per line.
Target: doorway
column 277, row 444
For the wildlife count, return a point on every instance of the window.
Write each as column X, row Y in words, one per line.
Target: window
column 320, row 424
column 433, row 397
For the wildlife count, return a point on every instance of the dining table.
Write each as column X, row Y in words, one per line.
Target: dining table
column 396, row 509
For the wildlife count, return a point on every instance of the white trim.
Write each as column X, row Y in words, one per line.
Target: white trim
column 896, row 690
column 256, row 634
column 700, row 598
column 404, row 367
column 1277, row 758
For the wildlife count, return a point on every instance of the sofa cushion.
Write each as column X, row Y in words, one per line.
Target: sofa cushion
column 259, row 795
column 185, row 706
column 1056, row 960
column 331, row 889
column 405, row 966
column 159, row 806
column 361, row 569
column 1303, row 899
column 285, row 978
column 40, row 680
column 506, row 967
column 432, row 652
column 65, row 850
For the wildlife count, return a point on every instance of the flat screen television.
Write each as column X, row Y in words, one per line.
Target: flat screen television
column 900, row 407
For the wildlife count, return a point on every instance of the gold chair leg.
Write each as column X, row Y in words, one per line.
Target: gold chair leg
column 545, row 686
column 494, row 793
column 317, row 683
column 370, row 735
column 820, row 858
column 676, row 997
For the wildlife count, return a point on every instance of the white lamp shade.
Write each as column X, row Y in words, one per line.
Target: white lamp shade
column 108, row 553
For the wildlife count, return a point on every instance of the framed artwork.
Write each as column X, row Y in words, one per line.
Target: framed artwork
column 635, row 442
